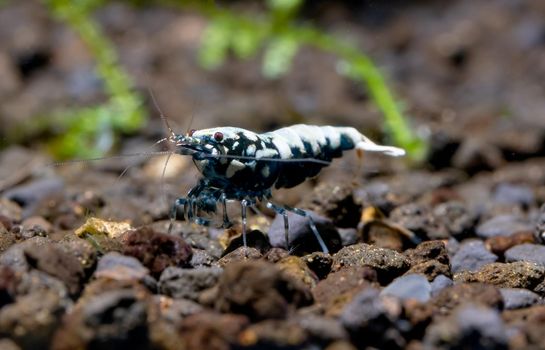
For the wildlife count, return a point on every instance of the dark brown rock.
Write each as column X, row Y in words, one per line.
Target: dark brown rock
column 33, row 318
column 499, row 244
column 512, row 275
column 388, row 263
column 208, row 330
column 274, row 334
column 259, row 290
column 320, row 263
column 240, row 254
column 429, row 250
column 334, row 292
column 451, row 297
column 430, row 269
column 157, row 251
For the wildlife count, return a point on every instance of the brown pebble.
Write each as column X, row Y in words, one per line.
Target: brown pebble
column 519, row 274
column 500, row 244
column 451, row 297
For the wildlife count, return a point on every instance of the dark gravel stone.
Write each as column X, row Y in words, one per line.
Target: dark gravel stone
column 56, row 262
column 29, row 195
column 334, row 201
column 499, row 244
column 33, row 318
column 255, row 239
column 322, row 330
column 388, row 263
column 188, row 283
column 503, row 225
column 274, row 334
column 367, row 320
column 106, row 317
column 320, row 263
column 259, row 290
column 517, row 298
column 456, row 218
column 419, row 219
column 471, row 256
column 469, row 327
column 157, row 251
column 201, row 258
column 301, row 239
column 511, row 275
column 526, row 252
column 340, row 287
column 426, row 251
column 120, row 267
column 348, row 235
column 506, row 193
column 439, row 283
column 15, row 257
column 240, row 254
column 451, row 297
column 430, row 269
column 412, row 286
column 210, row 330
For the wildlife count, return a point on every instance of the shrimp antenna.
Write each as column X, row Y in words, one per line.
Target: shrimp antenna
column 161, row 114
column 140, row 154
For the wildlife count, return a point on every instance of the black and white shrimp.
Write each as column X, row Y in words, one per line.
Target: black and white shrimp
column 241, row 165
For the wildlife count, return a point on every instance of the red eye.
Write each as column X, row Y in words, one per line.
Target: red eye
column 218, row 136
column 191, row 132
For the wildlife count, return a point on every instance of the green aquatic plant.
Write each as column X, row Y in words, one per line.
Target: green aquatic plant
column 91, row 131
column 280, row 36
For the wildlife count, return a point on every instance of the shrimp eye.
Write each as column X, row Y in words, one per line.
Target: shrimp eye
column 191, row 132
column 218, row 136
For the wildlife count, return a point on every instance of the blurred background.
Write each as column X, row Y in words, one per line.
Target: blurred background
column 459, row 84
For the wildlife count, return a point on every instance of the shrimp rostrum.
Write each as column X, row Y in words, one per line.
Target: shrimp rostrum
column 241, row 165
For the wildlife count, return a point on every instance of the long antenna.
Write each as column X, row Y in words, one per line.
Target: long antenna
column 163, row 117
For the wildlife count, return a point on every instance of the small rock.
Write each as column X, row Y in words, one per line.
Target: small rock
column 33, row 318
column 54, row 261
column 201, row 258
column 368, row 321
column 499, row 244
column 503, row 225
column 157, row 251
column 240, row 254
column 456, row 218
column 8, row 344
column 420, row 220
column 322, row 329
column 382, row 234
column 29, row 195
column 388, row 263
column 320, row 263
column 301, row 238
column 517, row 298
column 276, row 334
column 439, row 283
column 526, row 252
column 471, row 256
column 15, row 257
column 37, row 223
column 506, row 193
column 120, row 267
column 334, row 201
column 255, row 239
column 348, row 235
column 412, row 286
column 296, row 268
column 451, row 297
column 512, row 275
column 188, row 283
column 9, row 281
column 260, row 290
column 209, row 330
column 274, row 255
column 340, row 287
column 110, row 318
column 98, row 227
column 470, row 327
column 429, row 250
column 431, row 269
